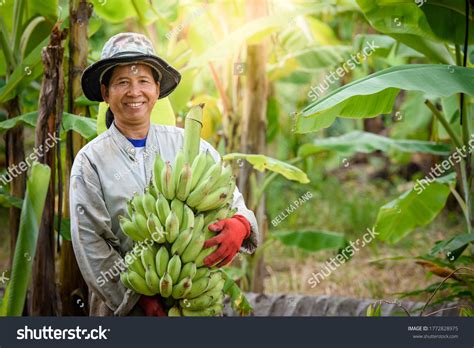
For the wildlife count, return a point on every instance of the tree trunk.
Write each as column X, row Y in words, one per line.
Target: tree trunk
column 72, row 287
column 254, row 124
column 43, row 294
column 15, row 154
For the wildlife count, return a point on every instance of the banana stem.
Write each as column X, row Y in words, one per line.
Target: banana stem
column 456, row 140
column 192, row 133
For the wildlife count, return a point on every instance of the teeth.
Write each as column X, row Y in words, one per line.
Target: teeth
column 134, row 105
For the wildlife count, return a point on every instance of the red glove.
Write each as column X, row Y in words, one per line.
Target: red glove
column 233, row 232
column 152, row 306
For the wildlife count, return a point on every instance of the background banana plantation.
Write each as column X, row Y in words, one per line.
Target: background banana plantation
column 324, row 150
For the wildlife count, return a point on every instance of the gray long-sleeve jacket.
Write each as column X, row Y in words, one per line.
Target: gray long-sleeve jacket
column 104, row 177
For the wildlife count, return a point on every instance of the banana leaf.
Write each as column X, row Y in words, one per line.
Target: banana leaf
column 83, row 125
column 376, row 93
column 25, row 249
column 29, row 69
column 261, row 162
column 414, row 208
column 441, row 20
column 365, row 142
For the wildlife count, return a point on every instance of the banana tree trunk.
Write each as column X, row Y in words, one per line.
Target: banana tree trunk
column 254, row 125
column 43, row 294
column 15, row 154
column 72, row 287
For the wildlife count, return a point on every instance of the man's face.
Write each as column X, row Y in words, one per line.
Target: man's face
column 132, row 93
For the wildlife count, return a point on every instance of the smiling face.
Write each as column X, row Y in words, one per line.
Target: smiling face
column 131, row 94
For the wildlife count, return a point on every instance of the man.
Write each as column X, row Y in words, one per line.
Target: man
column 108, row 170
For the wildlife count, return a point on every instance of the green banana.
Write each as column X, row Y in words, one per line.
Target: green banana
column 167, row 182
column 174, row 312
column 214, row 279
column 178, row 207
column 125, row 281
column 215, row 171
column 202, row 272
column 156, row 230
column 213, row 200
column 162, row 208
column 158, row 165
column 188, row 218
column 166, row 285
column 130, row 209
column 198, row 224
column 188, row 270
column 151, row 279
column 184, row 183
column 137, row 204
column 177, row 167
column 148, row 257
column 181, row 289
column 201, row 191
column 198, row 287
column 174, row 268
column 153, row 191
column 161, row 261
column 198, row 167
column 226, row 176
column 137, row 266
column 142, row 228
column 205, row 252
column 210, row 161
column 198, row 303
column 172, row 227
column 138, row 284
column 148, row 203
column 130, row 229
column 216, row 293
column 182, row 241
column 193, row 249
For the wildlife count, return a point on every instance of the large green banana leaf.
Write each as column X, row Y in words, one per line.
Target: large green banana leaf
column 45, row 8
column 365, row 142
column 375, row 94
column 261, row 162
column 83, row 125
column 414, row 208
column 28, row 70
column 442, row 20
column 312, row 241
column 25, row 249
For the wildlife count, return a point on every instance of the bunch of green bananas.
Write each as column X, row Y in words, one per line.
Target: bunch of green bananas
column 169, row 223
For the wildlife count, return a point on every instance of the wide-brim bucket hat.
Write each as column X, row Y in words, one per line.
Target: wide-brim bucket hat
column 128, row 48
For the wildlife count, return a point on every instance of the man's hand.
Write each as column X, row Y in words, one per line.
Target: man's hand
column 233, row 232
column 152, row 306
